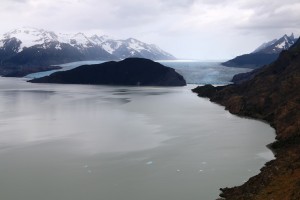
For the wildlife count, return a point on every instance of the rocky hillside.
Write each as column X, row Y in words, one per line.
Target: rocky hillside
column 131, row 71
column 272, row 95
column 264, row 54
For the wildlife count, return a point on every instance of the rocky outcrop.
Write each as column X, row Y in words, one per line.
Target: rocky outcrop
column 272, row 95
column 240, row 78
column 131, row 71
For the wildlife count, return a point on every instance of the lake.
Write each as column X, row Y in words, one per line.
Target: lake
column 75, row 142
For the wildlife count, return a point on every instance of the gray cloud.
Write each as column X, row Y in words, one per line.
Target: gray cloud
column 183, row 4
column 19, row 1
column 187, row 28
column 271, row 18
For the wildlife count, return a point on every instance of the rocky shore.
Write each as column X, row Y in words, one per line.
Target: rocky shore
column 272, row 95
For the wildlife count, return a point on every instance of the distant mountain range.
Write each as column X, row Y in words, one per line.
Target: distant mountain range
column 264, row 54
column 31, row 48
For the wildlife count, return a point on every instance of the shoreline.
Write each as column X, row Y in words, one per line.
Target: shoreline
column 278, row 175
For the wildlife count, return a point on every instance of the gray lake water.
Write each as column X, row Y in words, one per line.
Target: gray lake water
column 83, row 142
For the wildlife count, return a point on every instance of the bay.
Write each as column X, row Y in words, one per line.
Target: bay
column 74, row 142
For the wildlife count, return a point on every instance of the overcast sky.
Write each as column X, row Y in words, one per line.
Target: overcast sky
column 199, row 29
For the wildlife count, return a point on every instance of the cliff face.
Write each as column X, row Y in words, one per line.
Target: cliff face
column 131, row 71
column 273, row 95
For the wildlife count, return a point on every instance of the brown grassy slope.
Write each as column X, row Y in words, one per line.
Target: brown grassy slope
column 273, row 95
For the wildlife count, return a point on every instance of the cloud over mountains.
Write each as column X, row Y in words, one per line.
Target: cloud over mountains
column 187, row 24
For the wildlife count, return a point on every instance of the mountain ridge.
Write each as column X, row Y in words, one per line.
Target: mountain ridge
column 29, row 37
column 31, row 48
column 262, row 55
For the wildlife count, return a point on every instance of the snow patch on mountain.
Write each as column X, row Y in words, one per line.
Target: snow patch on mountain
column 281, row 45
column 58, row 47
column 107, row 47
column 98, row 40
column 136, row 45
column 81, row 40
column 30, row 37
column 277, row 45
column 64, row 38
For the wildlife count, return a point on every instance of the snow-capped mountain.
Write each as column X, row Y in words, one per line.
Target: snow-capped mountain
column 277, row 45
column 29, row 37
column 264, row 54
column 133, row 48
column 27, row 50
column 94, row 47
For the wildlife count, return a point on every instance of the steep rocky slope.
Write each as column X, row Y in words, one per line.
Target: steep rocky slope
column 272, row 95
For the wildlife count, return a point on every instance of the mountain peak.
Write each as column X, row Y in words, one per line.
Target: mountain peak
column 30, row 36
column 276, row 45
column 131, row 39
column 264, row 54
column 43, row 47
column 99, row 39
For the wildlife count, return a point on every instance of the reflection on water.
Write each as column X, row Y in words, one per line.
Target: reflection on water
column 75, row 142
